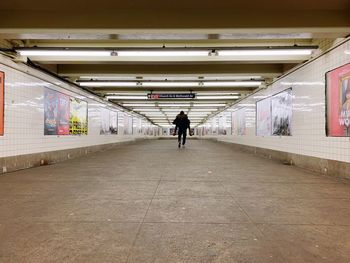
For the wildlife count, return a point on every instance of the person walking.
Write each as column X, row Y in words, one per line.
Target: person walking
column 182, row 123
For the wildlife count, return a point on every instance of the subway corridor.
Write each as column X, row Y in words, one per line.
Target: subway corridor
column 151, row 202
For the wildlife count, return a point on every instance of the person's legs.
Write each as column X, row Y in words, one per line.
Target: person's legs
column 184, row 137
column 179, row 138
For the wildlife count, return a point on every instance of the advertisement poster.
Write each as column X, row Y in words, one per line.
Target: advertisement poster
column 2, row 102
column 281, row 113
column 56, row 113
column 104, row 128
column 222, row 125
column 263, row 117
column 127, row 125
column 241, row 121
column 338, row 101
column 113, row 122
column 234, row 123
column 78, row 117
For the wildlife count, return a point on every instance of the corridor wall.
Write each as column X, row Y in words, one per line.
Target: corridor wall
column 308, row 145
column 24, row 143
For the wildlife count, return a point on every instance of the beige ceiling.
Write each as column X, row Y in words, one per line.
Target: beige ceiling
column 171, row 24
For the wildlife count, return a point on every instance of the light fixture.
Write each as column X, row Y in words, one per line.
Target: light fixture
column 266, row 52
column 174, row 104
column 144, row 109
column 126, row 97
column 163, row 53
column 204, row 110
column 174, row 110
column 232, row 84
column 108, row 84
column 217, row 97
column 64, row 53
column 209, row 105
column 169, row 84
column 139, row 104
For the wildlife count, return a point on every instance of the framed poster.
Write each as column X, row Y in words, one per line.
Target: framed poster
column 113, row 122
column 281, row 113
column 238, row 122
column 2, row 102
column 56, row 113
column 78, row 117
column 338, row 102
column 263, row 117
column 104, row 127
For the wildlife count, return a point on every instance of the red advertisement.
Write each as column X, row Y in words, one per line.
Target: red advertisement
column 63, row 114
column 2, row 101
column 338, row 101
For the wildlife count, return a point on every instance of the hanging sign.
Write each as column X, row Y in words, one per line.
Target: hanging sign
column 156, row 96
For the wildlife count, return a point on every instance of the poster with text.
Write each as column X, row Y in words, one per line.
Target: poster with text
column 104, row 128
column 2, row 102
column 338, row 101
column 281, row 113
column 263, row 117
column 113, row 122
column 78, row 117
column 56, row 113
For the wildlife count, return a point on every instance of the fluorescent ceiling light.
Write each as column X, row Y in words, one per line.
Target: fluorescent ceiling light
column 142, row 109
column 204, row 110
column 209, row 105
column 165, row 53
column 266, row 52
column 174, row 110
column 64, row 53
column 138, row 105
column 108, row 84
column 108, row 77
column 126, row 97
column 217, row 97
column 232, row 84
column 231, row 77
column 169, row 84
column 173, row 105
column 217, row 93
column 127, row 93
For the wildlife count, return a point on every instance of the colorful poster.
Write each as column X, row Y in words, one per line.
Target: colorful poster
column 104, row 128
column 113, row 122
column 338, row 101
column 56, row 113
column 78, row 117
column 281, row 113
column 263, row 117
column 2, row 102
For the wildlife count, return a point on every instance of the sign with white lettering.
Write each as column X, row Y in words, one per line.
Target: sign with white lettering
column 156, row 96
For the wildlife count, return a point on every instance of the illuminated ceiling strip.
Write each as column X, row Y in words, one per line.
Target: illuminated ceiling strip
column 165, row 53
column 64, row 53
column 170, row 84
column 272, row 52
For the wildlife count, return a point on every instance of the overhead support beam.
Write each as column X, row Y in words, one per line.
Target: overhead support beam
column 76, row 70
column 211, row 20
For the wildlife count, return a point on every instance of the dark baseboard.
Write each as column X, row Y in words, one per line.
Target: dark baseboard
column 318, row 165
column 20, row 162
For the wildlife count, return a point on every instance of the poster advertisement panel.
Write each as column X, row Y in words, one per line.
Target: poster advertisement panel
column 78, row 117
column 222, row 125
column 263, row 117
column 128, row 125
column 56, row 113
column 338, row 102
column 2, row 102
column 113, row 122
column 104, row 128
column 281, row 113
column 241, row 121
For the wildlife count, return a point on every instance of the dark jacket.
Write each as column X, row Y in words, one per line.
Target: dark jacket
column 182, row 122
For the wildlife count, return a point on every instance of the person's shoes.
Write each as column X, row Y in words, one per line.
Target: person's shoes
column 179, row 145
column 183, row 146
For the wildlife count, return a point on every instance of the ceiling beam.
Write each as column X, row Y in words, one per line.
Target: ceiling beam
column 76, row 70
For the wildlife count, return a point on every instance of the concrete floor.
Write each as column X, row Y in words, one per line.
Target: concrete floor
column 151, row 202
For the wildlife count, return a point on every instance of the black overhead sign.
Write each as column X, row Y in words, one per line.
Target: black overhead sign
column 155, row 96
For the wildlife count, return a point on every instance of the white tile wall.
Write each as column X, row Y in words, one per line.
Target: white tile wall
column 308, row 123
column 24, row 113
